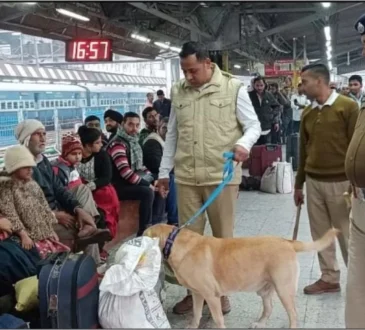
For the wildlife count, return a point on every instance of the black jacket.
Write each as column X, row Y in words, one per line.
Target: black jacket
column 152, row 156
column 268, row 112
column 57, row 196
column 163, row 108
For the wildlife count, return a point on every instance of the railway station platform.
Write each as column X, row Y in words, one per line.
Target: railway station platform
column 266, row 214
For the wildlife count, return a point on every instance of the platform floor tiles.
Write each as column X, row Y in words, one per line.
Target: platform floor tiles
column 266, row 214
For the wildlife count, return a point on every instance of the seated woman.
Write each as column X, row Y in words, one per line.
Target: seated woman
column 23, row 203
column 95, row 170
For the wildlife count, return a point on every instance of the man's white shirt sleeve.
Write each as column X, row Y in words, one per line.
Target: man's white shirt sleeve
column 247, row 117
column 167, row 162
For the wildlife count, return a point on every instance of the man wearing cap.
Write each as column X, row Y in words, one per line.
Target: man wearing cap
column 32, row 134
column 355, row 171
column 112, row 119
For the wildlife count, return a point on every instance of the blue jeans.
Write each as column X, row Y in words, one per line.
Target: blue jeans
column 171, row 202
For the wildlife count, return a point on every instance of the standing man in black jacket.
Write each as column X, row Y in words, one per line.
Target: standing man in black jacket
column 266, row 108
column 162, row 105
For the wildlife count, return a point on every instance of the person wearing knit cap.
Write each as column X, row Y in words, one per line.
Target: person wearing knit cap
column 112, row 119
column 23, row 203
column 68, row 211
column 355, row 172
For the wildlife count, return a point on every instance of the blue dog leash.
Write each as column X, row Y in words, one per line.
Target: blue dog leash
column 228, row 171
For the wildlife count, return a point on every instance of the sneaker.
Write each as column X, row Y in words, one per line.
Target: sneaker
column 321, row 286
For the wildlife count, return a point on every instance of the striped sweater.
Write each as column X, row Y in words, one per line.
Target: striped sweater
column 118, row 152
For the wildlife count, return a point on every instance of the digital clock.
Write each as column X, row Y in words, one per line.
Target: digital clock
column 89, row 50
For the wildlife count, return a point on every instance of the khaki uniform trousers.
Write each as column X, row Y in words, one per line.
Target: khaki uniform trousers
column 355, row 290
column 327, row 209
column 221, row 213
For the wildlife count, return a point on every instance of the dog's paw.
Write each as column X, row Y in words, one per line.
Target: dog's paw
column 257, row 325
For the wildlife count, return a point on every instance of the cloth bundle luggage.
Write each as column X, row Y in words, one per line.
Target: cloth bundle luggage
column 278, row 178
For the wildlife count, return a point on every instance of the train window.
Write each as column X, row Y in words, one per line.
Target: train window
column 15, row 105
column 21, row 105
column 9, row 105
column 73, row 103
column 47, row 104
column 56, row 104
column 114, row 102
column 27, row 105
column 42, row 104
column 52, row 104
column 3, row 105
column 69, row 103
column 31, row 104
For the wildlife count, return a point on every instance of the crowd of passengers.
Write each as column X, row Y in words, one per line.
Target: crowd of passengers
column 73, row 202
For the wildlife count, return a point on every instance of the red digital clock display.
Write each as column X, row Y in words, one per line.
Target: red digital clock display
column 89, row 50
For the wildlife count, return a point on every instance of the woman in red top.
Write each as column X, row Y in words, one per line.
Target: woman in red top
column 95, row 170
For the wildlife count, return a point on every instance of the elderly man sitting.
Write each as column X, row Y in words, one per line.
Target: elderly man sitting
column 74, row 223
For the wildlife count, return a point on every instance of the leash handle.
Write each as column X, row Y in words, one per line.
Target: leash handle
column 228, row 170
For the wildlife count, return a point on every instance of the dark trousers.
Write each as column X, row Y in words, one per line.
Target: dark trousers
column 158, row 209
column 264, row 139
column 171, row 202
column 276, row 136
column 296, row 126
column 143, row 194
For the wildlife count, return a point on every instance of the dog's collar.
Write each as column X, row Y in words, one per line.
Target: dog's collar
column 170, row 242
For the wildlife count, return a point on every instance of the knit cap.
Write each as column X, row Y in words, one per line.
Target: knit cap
column 114, row 115
column 26, row 128
column 69, row 144
column 17, row 157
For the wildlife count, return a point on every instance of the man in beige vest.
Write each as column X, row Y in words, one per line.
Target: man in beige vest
column 355, row 171
column 211, row 113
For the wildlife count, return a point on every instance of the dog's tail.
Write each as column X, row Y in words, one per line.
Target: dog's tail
column 317, row 245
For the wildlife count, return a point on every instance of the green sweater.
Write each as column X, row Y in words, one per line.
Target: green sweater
column 324, row 138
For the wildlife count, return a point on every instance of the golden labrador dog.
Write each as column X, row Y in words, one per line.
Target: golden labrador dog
column 213, row 267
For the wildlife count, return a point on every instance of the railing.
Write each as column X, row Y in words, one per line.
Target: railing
column 56, row 121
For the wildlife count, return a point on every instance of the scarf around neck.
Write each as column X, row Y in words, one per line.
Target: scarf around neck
column 135, row 149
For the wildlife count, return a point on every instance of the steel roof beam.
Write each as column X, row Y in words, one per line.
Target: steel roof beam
column 307, row 19
column 278, row 10
column 157, row 13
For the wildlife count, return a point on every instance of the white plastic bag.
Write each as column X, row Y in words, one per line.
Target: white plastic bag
column 284, row 178
column 127, row 296
column 268, row 180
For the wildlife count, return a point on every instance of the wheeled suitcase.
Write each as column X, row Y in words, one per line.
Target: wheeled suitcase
column 262, row 157
column 68, row 292
column 292, row 150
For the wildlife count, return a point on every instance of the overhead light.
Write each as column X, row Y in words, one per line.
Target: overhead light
column 329, row 56
column 326, row 4
column 161, row 44
column 176, row 49
column 16, row 34
column 29, row 3
column 237, row 66
column 328, row 43
column 329, row 48
column 203, row 4
column 330, row 65
column 140, row 38
column 72, row 14
column 327, row 32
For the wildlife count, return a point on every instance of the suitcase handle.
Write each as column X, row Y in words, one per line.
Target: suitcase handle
column 51, row 259
column 271, row 147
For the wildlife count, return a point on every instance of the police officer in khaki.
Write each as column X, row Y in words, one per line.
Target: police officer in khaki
column 211, row 113
column 355, row 171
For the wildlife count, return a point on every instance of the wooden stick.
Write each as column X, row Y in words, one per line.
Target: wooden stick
column 296, row 227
